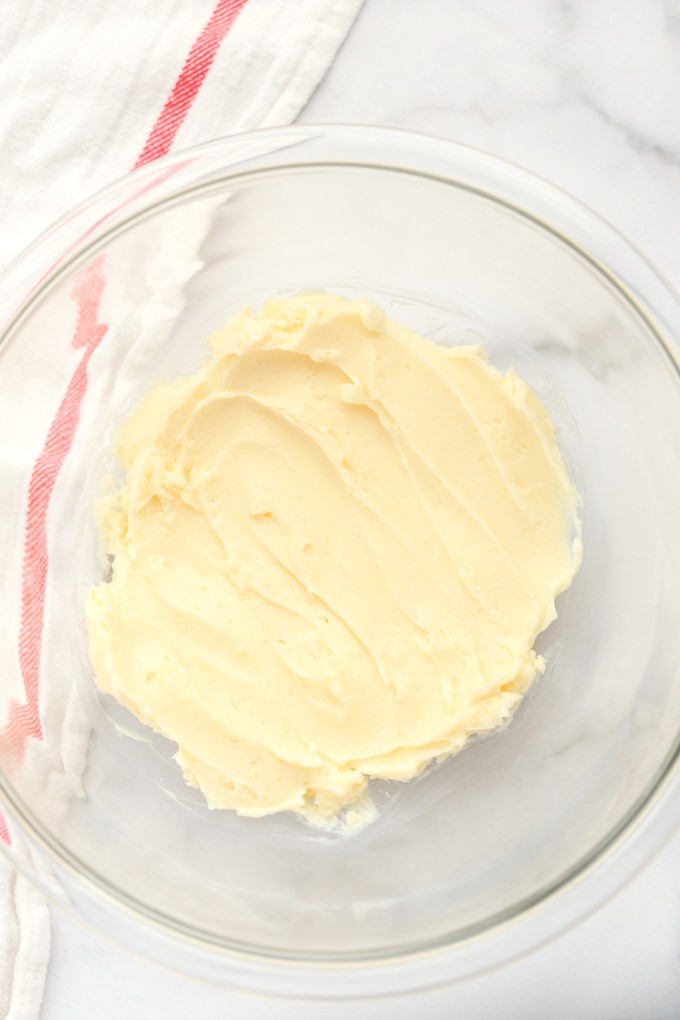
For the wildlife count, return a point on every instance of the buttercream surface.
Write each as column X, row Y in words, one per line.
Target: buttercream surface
column 333, row 549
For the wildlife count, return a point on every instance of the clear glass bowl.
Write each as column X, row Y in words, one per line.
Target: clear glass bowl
column 504, row 845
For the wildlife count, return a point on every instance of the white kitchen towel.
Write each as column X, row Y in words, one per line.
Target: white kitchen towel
column 92, row 90
column 89, row 88
column 24, row 944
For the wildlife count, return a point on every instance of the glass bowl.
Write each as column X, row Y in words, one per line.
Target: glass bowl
column 499, row 848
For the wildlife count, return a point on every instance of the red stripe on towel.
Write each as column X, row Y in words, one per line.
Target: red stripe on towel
column 191, row 77
column 24, row 721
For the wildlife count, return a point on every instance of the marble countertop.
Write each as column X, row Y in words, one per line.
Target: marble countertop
column 585, row 94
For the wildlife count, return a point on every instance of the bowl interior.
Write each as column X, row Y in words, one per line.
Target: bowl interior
column 470, row 842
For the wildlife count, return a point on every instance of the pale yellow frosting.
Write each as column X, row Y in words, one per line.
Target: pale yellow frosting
column 333, row 550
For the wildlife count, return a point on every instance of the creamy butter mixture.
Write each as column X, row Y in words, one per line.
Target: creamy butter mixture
column 333, row 550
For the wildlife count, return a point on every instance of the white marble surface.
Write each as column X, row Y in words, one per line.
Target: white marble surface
column 583, row 92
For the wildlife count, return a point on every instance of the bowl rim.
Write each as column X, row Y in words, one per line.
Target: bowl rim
column 537, row 192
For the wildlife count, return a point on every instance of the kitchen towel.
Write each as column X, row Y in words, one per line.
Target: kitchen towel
column 90, row 92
